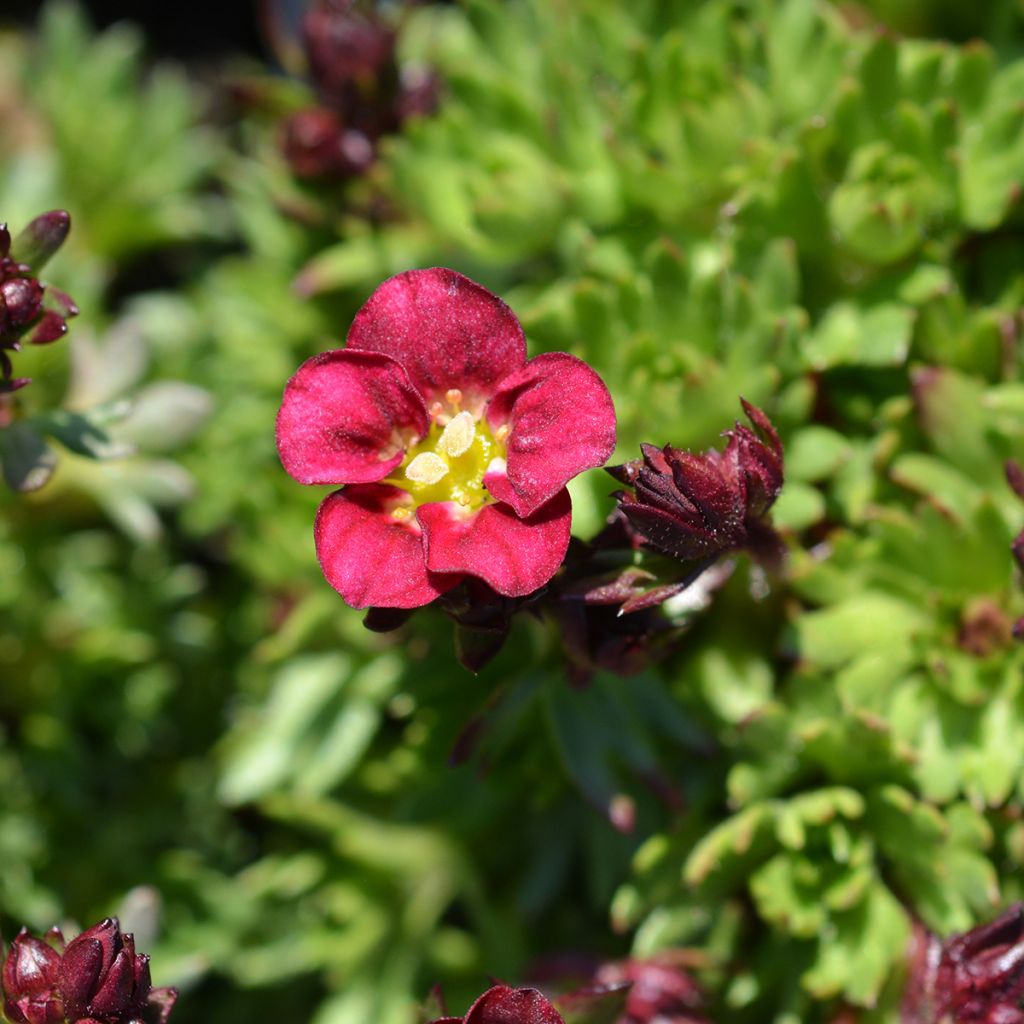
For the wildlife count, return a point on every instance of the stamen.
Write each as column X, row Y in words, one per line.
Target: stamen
column 453, row 396
column 501, row 434
column 426, row 468
column 457, row 437
column 435, row 410
column 401, row 513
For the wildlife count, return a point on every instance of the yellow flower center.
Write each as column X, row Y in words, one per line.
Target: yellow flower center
column 450, row 462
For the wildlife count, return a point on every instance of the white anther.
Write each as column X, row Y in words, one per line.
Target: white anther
column 457, row 437
column 426, row 468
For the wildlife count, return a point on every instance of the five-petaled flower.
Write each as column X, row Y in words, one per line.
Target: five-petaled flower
column 454, row 450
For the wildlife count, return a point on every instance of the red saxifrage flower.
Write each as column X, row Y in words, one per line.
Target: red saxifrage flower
column 454, row 450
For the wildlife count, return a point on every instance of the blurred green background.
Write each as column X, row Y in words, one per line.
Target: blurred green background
column 816, row 206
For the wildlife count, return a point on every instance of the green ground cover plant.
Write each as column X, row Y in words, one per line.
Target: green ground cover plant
column 813, row 763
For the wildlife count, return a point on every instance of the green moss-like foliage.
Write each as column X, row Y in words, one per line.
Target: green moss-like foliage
column 704, row 200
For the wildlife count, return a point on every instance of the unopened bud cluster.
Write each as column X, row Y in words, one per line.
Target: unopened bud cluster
column 687, row 508
column 973, row 978
column 97, row 978
column 362, row 93
column 691, row 506
column 30, row 312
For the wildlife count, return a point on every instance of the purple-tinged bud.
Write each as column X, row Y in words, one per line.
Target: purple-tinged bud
column 30, row 982
column 60, row 302
column 42, row 238
column 692, row 506
column 503, row 1005
column 348, row 52
column 50, row 327
column 418, row 94
column 759, row 460
column 21, row 301
column 317, row 145
column 1015, row 477
column 102, row 978
column 30, row 311
column 974, row 978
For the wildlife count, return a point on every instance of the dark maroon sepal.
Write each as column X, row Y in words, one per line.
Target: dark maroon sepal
column 977, row 976
column 42, row 237
column 79, row 972
column 114, row 995
column 1015, row 477
column 50, row 327
column 159, row 1004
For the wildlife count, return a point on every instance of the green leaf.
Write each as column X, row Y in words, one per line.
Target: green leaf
column 81, row 434
column 165, row 415
column 848, row 336
column 868, row 621
column 866, row 943
column 28, row 461
column 798, row 506
column 788, row 894
column 814, row 453
column 734, row 838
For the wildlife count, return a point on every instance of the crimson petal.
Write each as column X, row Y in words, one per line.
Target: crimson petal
column 515, row 556
column 345, row 417
column 447, row 331
column 368, row 556
column 561, row 420
column 504, row 1005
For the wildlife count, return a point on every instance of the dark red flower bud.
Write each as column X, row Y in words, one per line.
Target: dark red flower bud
column 974, row 978
column 1015, row 478
column 101, row 977
column 692, row 506
column 418, row 96
column 317, row 145
column 361, row 92
column 30, row 981
column 21, row 301
column 504, row 1005
column 348, row 52
column 43, row 236
column 49, row 328
column 30, row 311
